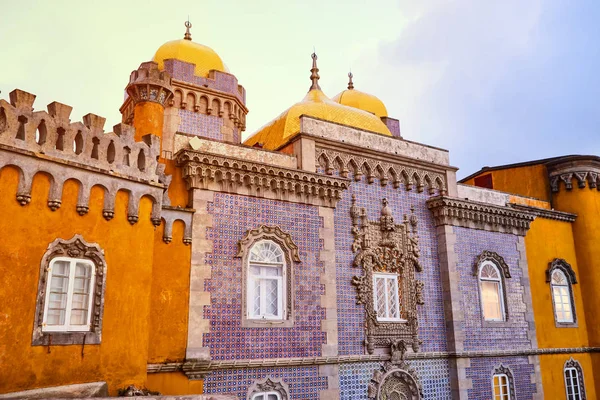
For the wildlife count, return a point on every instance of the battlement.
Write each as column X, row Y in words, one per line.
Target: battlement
column 51, row 133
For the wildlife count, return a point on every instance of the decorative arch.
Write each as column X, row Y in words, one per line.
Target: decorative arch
column 565, row 267
column 493, row 257
column 76, row 247
column 485, row 259
column 570, row 365
column 503, row 370
column 269, row 384
column 564, row 278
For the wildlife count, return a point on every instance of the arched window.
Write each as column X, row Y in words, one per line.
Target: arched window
column 561, row 277
column 503, row 386
column 266, row 281
column 492, row 292
column 266, row 396
column 574, row 380
column 268, row 389
column 561, row 296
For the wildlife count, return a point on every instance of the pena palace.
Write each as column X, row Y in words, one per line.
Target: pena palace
column 325, row 257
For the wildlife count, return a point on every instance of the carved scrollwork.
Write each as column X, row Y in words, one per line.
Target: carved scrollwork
column 269, row 384
column 386, row 247
column 494, row 257
column 395, row 381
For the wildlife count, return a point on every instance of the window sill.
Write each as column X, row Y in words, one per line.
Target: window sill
column 64, row 338
column 267, row 323
column 566, row 324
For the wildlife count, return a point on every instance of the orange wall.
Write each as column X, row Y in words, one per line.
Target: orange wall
column 546, row 240
column 121, row 358
column 170, row 297
column 174, row 383
column 530, row 181
column 178, row 193
column 553, row 378
column 148, row 118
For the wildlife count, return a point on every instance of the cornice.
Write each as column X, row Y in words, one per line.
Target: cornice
column 545, row 213
column 207, row 90
column 475, row 215
column 585, row 170
column 226, row 174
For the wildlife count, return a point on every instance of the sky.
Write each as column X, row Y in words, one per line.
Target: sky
column 494, row 82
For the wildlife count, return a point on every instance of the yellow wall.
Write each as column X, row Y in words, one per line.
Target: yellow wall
column 170, row 297
column 121, row 358
column 148, row 118
column 174, row 383
column 530, row 181
column 553, row 379
column 546, row 240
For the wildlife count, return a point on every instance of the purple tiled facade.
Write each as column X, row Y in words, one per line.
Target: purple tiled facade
column 482, row 369
column 194, row 123
column 233, row 216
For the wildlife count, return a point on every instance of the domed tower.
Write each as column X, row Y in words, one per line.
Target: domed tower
column 207, row 100
column 369, row 103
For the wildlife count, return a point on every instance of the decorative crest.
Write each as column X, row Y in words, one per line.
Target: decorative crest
column 314, row 75
column 188, row 25
column 350, row 83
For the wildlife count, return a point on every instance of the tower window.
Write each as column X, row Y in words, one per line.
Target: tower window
column 492, row 294
column 266, row 281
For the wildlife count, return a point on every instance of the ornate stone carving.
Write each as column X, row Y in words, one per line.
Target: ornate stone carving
column 565, row 267
column 148, row 83
column 76, row 247
column 475, row 215
column 386, row 172
column 226, row 174
column 395, row 380
column 384, row 246
column 571, row 363
column 269, row 384
column 501, row 369
column 493, row 257
column 584, row 169
column 544, row 213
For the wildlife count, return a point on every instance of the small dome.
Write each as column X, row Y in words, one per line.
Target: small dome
column 361, row 100
column 202, row 56
column 315, row 104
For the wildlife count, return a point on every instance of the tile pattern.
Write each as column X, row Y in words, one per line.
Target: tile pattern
column 233, row 215
column 512, row 334
column 350, row 315
column 481, row 374
column 195, row 123
column 304, row 382
column 224, row 82
column 433, row 374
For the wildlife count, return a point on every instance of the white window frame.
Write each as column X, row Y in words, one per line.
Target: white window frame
column 281, row 286
column 574, row 382
column 500, row 291
column 566, row 286
column 68, row 327
column 394, row 278
column 265, row 395
column 503, row 395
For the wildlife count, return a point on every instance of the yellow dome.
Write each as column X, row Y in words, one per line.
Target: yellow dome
column 361, row 100
column 315, row 104
column 204, row 57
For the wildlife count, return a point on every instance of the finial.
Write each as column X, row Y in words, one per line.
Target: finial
column 350, row 83
column 314, row 76
column 188, row 25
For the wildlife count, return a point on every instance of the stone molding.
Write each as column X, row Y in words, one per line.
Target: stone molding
column 192, row 367
column 400, row 380
column 30, row 165
column 76, row 247
column 269, row 384
column 170, row 215
column 572, row 363
column 564, row 266
column 584, row 169
column 290, row 251
column 84, row 144
column 408, row 173
column 527, row 296
column 230, row 175
column 545, row 213
column 495, row 258
column 475, row 215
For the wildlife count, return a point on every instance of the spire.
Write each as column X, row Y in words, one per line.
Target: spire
column 314, row 76
column 188, row 25
column 350, row 83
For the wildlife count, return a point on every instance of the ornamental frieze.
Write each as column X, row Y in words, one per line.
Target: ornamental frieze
column 384, row 247
column 231, row 175
column 584, row 171
column 385, row 172
column 395, row 379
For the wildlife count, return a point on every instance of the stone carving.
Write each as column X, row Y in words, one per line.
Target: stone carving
column 501, row 369
column 134, row 391
column 386, row 172
column 565, row 267
column 290, row 249
column 76, row 247
column 493, row 257
column 591, row 178
column 172, row 214
column 395, row 380
column 475, row 215
column 384, row 246
column 544, row 213
column 269, row 384
column 571, row 363
column 584, row 169
column 230, row 175
column 165, row 180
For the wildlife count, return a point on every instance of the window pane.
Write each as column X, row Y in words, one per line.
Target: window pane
column 559, row 278
column 55, row 317
column 266, row 252
column 490, row 294
column 271, row 297
column 57, row 298
column 256, row 307
column 273, row 397
column 380, row 296
column 488, row 271
column 393, row 298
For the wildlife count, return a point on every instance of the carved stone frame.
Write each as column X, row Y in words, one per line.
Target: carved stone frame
column 564, row 267
column 571, row 363
column 269, row 384
column 501, row 369
column 504, row 270
column 290, row 250
column 76, row 247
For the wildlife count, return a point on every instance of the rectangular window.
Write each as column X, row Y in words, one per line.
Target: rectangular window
column 572, row 384
column 68, row 295
column 266, row 292
column 386, row 298
column 501, row 387
column 562, row 303
column 492, row 307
